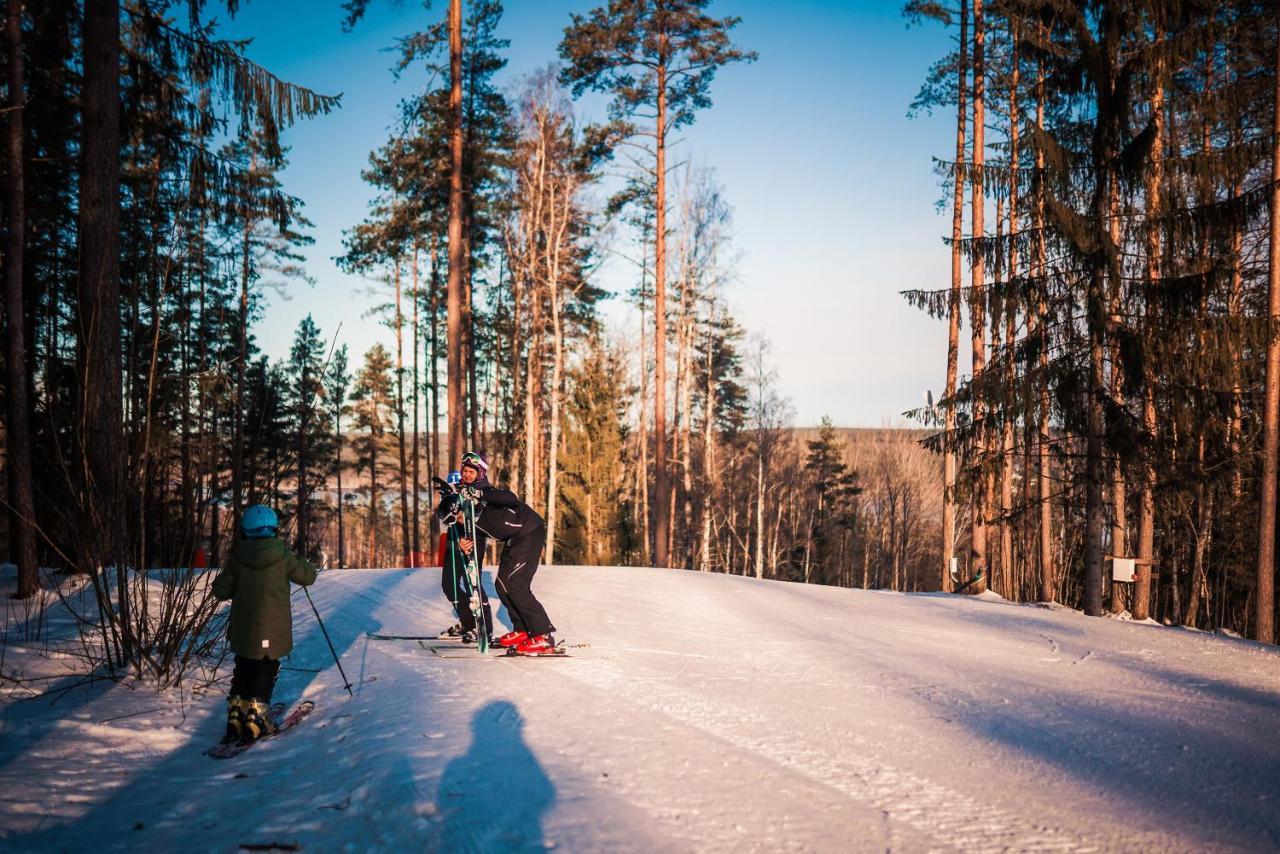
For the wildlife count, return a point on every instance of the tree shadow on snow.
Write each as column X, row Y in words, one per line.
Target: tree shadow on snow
column 147, row 810
column 1179, row 746
column 494, row 796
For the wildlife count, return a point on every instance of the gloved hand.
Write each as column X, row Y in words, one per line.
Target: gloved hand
column 444, row 487
column 470, row 493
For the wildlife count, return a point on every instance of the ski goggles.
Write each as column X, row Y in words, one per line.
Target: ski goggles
column 475, row 461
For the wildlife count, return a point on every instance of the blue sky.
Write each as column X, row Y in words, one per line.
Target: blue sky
column 832, row 185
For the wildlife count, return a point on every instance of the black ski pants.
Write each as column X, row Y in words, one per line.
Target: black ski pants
column 254, row 679
column 515, row 575
column 453, row 581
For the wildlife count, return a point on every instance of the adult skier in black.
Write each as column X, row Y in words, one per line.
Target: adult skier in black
column 509, row 520
column 453, row 575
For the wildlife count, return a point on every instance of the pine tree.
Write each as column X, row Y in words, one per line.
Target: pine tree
column 373, row 406
column 660, row 55
column 337, row 386
column 311, row 446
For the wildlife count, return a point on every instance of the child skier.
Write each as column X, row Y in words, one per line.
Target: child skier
column 256, row 579
column 509, row 520
column 453, row 576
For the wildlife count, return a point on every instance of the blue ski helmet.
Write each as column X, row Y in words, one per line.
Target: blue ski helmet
column 258, row 522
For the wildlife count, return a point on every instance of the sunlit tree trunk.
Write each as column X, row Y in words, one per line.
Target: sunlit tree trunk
column 1264, row 620
column 456, row 372
column 416, row 547
column 1044, row 465
column 660, row 486
column 977, row 305
column 401, row 439
column 1141, row 604
column 953, row 308
column 760, row 523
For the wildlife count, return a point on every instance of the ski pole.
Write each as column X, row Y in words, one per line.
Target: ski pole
column 326, row 638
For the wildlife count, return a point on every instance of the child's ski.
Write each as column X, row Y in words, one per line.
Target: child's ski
column 474, row 579
column 283, row 724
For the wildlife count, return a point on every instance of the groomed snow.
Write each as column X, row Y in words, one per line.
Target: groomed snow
column 708, row 713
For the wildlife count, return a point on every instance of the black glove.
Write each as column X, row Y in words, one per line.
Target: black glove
column 470, row 493
column 444, row 487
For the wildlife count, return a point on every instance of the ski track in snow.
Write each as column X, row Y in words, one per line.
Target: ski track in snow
column 708, row 713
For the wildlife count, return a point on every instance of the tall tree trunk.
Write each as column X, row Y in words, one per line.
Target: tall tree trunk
column 1141, row 604
column 977, row 304
column 18, row 440
column 456, row 373
column 953, row 309
column 1007, row 454
column 1204, row 536
column 555, row 236
column 237, row 440
column 760, row 522
column 304, row 520
column 405, row 540
column 1264, row 619
column 434, row 468
column 1097, row 315
column 709, row 479
column 660, row 486
column 1119, row 489
column 1044, row 465
column 342, row 533
column 416, row 547
column 373, row 499
column 102, row 418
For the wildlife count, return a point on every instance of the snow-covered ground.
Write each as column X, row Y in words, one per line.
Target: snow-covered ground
column 708, row 713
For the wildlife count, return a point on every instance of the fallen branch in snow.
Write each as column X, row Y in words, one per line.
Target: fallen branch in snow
column 131, row 715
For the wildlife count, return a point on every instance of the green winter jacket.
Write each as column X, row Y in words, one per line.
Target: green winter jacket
column 256, row 579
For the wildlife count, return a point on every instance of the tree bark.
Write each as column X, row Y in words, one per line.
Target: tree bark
column 18, row 441
column 1264, row 618
column 416, row 547
column 953, row 310
column 342, row 533
column 102, row 419
column 456, row 373
column 977, row 306
column 1141, row 604
column 660, row 487
column 401, row 439
column 433, row 436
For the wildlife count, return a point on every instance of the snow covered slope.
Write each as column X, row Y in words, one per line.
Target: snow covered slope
column 708, row 713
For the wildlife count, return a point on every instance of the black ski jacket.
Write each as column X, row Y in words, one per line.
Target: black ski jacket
column 501, row 515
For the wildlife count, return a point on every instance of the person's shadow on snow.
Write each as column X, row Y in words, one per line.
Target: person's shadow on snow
column 493, row 797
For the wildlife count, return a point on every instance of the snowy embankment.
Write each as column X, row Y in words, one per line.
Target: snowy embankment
column 708, row 713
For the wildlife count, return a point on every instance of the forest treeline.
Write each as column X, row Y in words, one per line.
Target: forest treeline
column 1117, row 266
column 145, row 220
column 1114, row 198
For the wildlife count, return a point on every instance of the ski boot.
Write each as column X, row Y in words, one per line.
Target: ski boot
column 537, row 645
column 470, row 636
column 452, row 632
column 511, row 639
column 235, row 720
column 257, row 721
